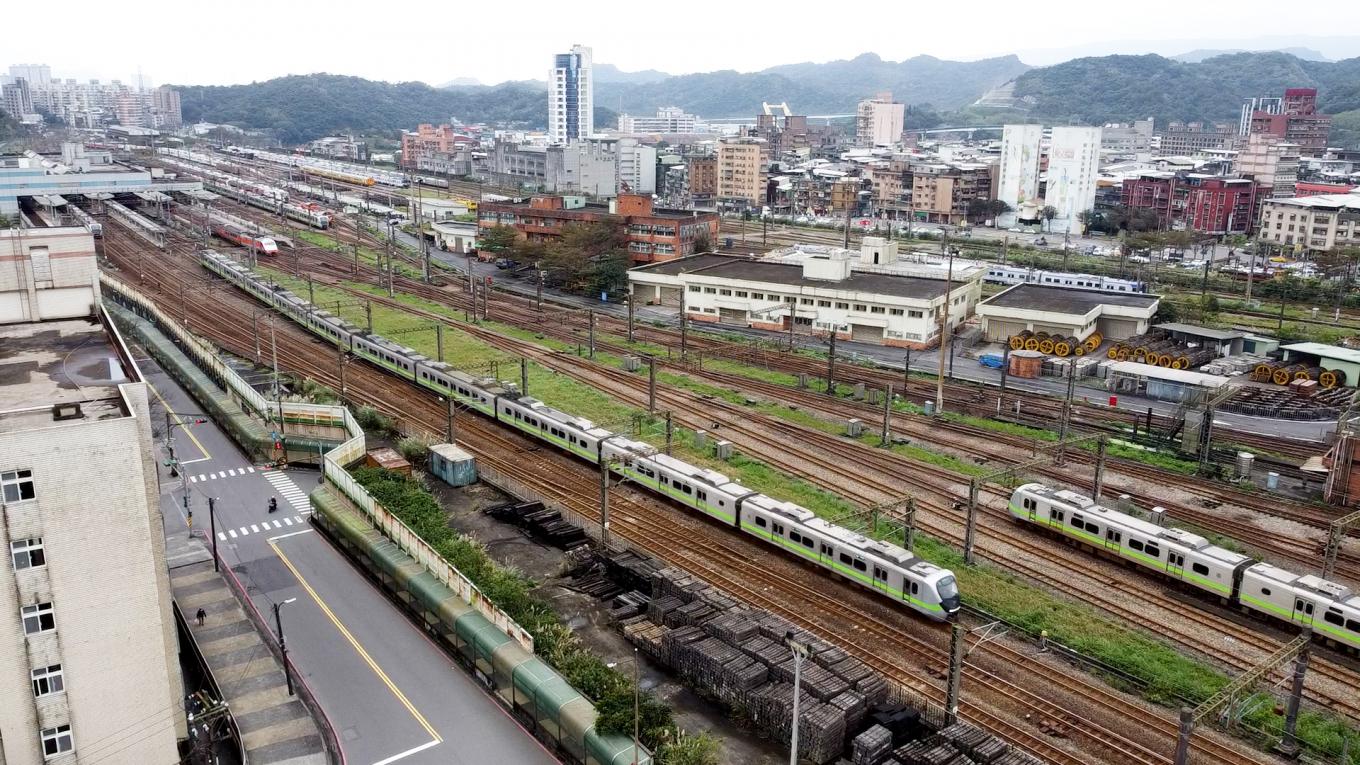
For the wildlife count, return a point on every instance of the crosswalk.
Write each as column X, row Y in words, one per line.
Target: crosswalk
column 286, row 488
column 232, row 473
column 272, row 524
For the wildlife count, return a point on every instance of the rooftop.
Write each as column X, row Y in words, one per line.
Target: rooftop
column 1038, row 297
column 1322, row 350
column 589, row 209
column 1191, row 329
column 791, row 274
column 1349, row 201
column 42, row 364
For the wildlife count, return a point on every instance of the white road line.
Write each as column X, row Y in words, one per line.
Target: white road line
column 278, row 524
column 254, row 528
column 250, row 469
column 232, row 472
column 289, row 534
column 232, row 533
column 221, row 537
column 192, row 479
column 200, row 459
column 407, row 753
column 202, row 477
column 222, row 474
column 288, row 521
column 299, row 518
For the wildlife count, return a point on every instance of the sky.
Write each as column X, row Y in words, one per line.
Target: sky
column 247, row 40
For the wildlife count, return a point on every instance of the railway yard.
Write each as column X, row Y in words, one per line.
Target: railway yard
column 1069, row 702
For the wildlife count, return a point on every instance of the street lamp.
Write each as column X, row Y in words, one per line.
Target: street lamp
column 283, row 647
column 800, row 653
column 637, row 693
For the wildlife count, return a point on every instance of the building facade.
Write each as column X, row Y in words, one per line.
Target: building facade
column 424, row 146
column 1207, row 204
column 1189, row 139
column 879, row 121
column 1073, row 166
column 1020, row 154
column 1127, row 138
column 651, row 234
column 88, row 647
column 1270, row 161
column 1297, row 122
column 16, row 98
column 739, row 172
column 702, row 175
column 571, row 96
column 836, row 291
column 339, row 147
column 1316, row 223
column 668, row 119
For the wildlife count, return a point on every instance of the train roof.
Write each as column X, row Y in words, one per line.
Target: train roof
column 704, row 474
column 559, row 416
column 1310, row 582
column 1062, row 495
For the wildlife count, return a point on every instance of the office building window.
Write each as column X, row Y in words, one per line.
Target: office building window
column 56, row 741
column 27, row 553
column 17, row 485
column 48, row 680
column 38, row 618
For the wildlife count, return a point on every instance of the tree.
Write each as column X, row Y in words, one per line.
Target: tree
column 571, row 261
column 996, row 208
column 1048, row 214
column 702, row 243
column 1087, row 218
column 978, row 210
column 498, row 239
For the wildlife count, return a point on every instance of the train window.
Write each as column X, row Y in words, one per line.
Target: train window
column 807, row 542
column 1176, row 558
column 794, row 536
column 860, row 565
column 779, row 529
column 1265, row 590
column 1094, row 529
column 722, row 503
column 760, row 522
column 1076, row 521
column 1113, row 536
column 1200, row 568
column 1333, row 617
column 686, row 489
column 1152, row 550
column 1353, row 625
column 915, row 588
column 1056, row 515
column 1136, row 544
column 880, row 574
column 845, row 559
column 826, row 549
column 703, row 495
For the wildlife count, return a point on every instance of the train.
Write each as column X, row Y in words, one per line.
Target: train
column 891, row 572
column 999, row 274
column 429, row 180
column 306, row 212
column 236, row 235
column 337, row 175
column 1330, row 609
column 84, row 219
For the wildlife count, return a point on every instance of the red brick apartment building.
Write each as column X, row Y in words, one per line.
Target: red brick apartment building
column 653, row 235
column 428, row 140
column 1207, row 204
column 1299, row 123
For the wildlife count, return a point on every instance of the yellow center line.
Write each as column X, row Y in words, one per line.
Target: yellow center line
column 178, row 421
column 363, row 654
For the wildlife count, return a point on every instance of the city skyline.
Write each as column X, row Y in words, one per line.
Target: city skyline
column 1062, row 33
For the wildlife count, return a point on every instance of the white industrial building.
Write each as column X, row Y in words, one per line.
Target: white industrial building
column 1020, row 153
column 571, row 96
column 668, row 119
column 879, row 121
column 88, row 650
column 1073, row 165
column 876, row 295
column 1066, row 311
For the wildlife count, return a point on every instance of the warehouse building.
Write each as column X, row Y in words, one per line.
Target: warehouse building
column 884, row 300
column 87, row 636
column 1065, row 311
column 1332, row 357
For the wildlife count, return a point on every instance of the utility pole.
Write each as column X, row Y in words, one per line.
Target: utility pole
column 542, row 275
column 945, row 344
column 846, row 244
column 523, row 376
column 1289, row 744
column 449, row 432
column 651, row 384
column 970, row 526
column 311, row 289
column 630, row 317
column 592, row 333
column 212, row 529
column 1100, row 469
column 604, row 502
column 368, row 315
column 956, row 645
column 887, row 415
column 343, row 393
column 909, row 521
column 255, row 327
column 1005, row 370
column 906, row 372
column 1067, row 411
column 684, row 325
column 439, row 342
column 278, row 388
column 831, row 366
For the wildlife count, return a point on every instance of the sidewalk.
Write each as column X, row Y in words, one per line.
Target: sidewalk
column 275, row 727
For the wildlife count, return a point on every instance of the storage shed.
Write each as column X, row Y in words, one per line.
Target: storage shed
column 1224, row 342
column 1064, row 311
column 1179, row 385
column 454, row 465
column 1333, row 357
column 386, row 457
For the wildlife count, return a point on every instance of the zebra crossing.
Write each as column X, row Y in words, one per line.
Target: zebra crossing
column 232, row 473
column 286, row 488
column 263, row 526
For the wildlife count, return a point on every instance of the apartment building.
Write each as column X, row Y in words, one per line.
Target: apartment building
column 1188, row 139
column 930, row 192
column 652, row 234
column 879, row 121
column 1127, row 138
column 702, row 170
column 1270, row 161
column 1020, row 155
column 1316, row 223
column 1207, row 204
column 668, row 120
column 339, row 147
column 428, row 146
column 740, row 181
column 1296, row 121
column 1073, row 166
column 571, row 96
column 88, row 650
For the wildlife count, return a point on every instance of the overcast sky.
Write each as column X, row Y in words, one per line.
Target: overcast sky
column 245, row 40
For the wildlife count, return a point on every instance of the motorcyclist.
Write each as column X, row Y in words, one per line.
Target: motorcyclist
column 273, row 504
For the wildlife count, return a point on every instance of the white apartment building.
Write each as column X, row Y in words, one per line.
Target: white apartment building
column 1317, row 223
column 668, row 119
column 88, row 651
column 1020, row 152
column 571, row 96
column 1073, row 166
column 1270, row 161
column 876, row 295
column 879, row 121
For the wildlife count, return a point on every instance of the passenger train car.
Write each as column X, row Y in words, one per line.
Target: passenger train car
column 1000, row 274
column 236, row 235
column 1330, row 609
column 891, row 571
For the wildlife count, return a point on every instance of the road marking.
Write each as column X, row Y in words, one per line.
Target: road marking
column 171, row 410
column 190, row 462
column 223, row 474
column 232, row 533
column 221, row 537
column 288, row 521
column 202, row 477
column 407, row 753
column 231, row 473
column 255, row 529
column 357, row 647
column 192, row 479
column 289, row 534
column 250, row 469
column 278, row 525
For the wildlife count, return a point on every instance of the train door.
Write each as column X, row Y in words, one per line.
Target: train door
column 1175, row 564
column 1114, row 540
column 880, row 577
column 1303, row 611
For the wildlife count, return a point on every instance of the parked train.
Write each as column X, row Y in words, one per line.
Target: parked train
column 1330, row 609
column 306, row 212
column 429, row 180
column 999, row 274
column 91, row 225
column 891, row 571
column 236, row 235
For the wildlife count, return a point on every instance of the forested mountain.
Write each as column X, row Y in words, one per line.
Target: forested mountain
column 1122, row 88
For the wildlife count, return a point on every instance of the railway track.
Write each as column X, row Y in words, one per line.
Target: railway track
column 882, row 636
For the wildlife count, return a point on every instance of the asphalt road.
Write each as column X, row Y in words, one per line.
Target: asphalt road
column 392, row 695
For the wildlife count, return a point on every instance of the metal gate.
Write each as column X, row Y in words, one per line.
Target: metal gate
column 731, row 316
column 866, row 334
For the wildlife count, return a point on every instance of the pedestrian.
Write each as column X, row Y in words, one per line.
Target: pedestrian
column 201, row 616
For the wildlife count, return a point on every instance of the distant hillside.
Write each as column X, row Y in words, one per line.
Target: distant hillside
column 831, row 88
column 1122, row 88
column 1201, row 54
column 302, row 107
column 611, row 73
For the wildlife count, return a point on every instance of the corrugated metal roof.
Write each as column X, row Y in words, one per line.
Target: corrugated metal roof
column 1185, row 377
column 1191, row 329
column 1325, row 351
